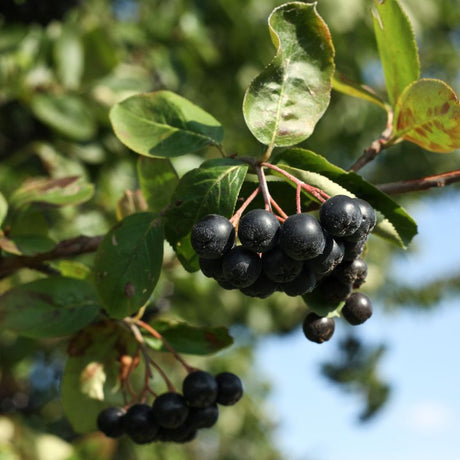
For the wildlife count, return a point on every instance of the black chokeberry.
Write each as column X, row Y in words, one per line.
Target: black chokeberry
column 170, row 410
column 212, row 268
column 329, row 258
column 357, row 308
column 241, row 267
column 279, row 267
column 140, row 424
column 181, row 434
column 301, row 285
column 301, row 237
column 111, row 422
column 230, row 388
column 352, row 271
column 258, row 230
column 212, row 236
column 318, row 329
column 262, row 288
column 199, row 389
column 353, row 249
column 334, row 291
column 368, row 221
column 340, row 215
column 203, row 417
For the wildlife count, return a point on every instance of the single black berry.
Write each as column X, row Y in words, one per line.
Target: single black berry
column 329, row 258
column 212, row 268
column 301, row 285
column 241, row 267
column 262, row 288
column 318, row 329
column 279, row 267
column 352, row 271
column 212, row 236
column 199, row 389
column 230, row 388
column 140, row 424
column 170, row 410
column 340, row 215
column 334, row 291
column 301, row 237
column 357, row 308
column 111, row 422
column 182, row 434
column 353, row 249
column 258, row 230
column 203, row 417
column 368, row 221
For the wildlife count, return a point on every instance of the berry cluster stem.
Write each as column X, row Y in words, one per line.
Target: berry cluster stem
column 158, row 336
column 236, row 217
column 264, row 188
column 301, row 185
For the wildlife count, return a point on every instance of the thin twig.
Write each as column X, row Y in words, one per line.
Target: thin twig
column 264, row 188
column 236, row 217
column 424, row 183
column 66, row 248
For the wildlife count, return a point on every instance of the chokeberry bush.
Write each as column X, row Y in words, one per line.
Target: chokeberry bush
column 272, row 220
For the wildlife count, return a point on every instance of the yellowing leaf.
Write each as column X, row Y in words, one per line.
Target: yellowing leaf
column 428, row 114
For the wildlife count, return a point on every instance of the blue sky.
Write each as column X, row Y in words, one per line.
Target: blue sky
column 317, row 421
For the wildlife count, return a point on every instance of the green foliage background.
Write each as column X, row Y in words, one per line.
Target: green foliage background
column 57, row 83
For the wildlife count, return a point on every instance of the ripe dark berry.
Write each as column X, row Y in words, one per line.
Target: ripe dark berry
column 367, row 223
column 340, row 215
column 353, row 249
column 334, row 291
column 357, row 308
column 279, row 267
column 199, row 389
column 241, row 267
column 330, row 257
column 352, row 271
column 212, row 236
column 301, row 237
column 230, row 388
column 170, row 410
column 182, row 434
column 318, row 329
column 212, row 268
column 111, row 422
column 203, row 417
column 140, row 424
column 262, row 288
column 301, row 285
column 258, row 230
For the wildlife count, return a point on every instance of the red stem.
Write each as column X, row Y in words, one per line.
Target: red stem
column 264, row 188
column 278, row 209
column 158, row 336
column 236, row 217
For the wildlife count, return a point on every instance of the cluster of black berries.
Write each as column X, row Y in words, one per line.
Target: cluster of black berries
column 174, row 417
column 299, row 256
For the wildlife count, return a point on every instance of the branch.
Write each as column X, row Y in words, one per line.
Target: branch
column 376, row 147
column 415, row 185
column 66, row 248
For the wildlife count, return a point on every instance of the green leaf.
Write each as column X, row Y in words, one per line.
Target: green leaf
column 285, row 101
column 69, row 57
column 189, row 339
column 394, row 223
column 64, row 191
column 3, row 208
column 158, row 180
column 66, row 114
column 428, row 114
column 163, row 125
column 346, row 86
column 212, row 188
column 128, row 264
column 397, row 47
column 49, row 307
column 98, row 356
